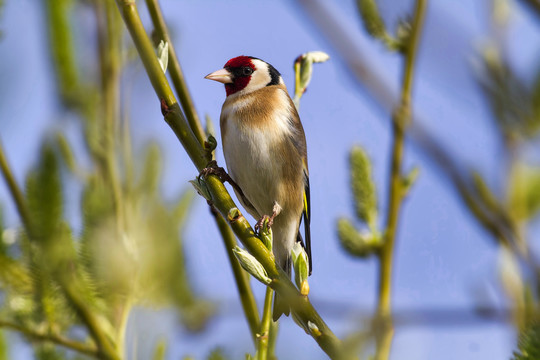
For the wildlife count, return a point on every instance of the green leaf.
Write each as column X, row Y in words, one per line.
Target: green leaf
column 251, row 265
column 303, row 68
column 300, row 264
column 160, row 351
column 363, row 187
column 217, row 354
column 202, row 189
column 66, row 152
column 525, row 191
column 355, row 243
column 374, row 25
column 409, row 179
column 163, row 55
column 485, row 193
column 529, row 343
column 48, row 352
column 44, row 196
column 512, row 101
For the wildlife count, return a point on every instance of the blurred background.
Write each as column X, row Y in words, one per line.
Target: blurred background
column 459, row 290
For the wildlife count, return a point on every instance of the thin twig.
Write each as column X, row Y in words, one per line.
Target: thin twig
column 401, row 118
column 177, row 76
column 109, row 44
column 495, row 221
column 221, row 199
column 240, row 276
column 88, row 349
column 15, row 191
column 264, row 332
column 106, row 349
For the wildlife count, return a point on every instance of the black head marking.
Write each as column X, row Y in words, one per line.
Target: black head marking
column 274, row 74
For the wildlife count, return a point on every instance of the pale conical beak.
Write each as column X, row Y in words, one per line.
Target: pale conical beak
column 223, row 76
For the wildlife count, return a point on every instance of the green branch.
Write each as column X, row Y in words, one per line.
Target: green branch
column 88, row 349
column 264, row 332
column 106, row 349
column 242, row 280
column 219, row 196
column 109, row 44
column 401, row 118
column 173, row 114
column 177, row 76
column 491, row 219
column 14, row 190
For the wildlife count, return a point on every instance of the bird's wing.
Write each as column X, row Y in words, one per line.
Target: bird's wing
column 306, row 213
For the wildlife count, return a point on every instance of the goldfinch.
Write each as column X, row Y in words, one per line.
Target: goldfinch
column 266, row 154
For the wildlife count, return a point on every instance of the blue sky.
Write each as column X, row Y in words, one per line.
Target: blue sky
column 444, row 260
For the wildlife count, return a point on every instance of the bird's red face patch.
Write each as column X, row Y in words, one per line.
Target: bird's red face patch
column 240, row 61
column 241, row 68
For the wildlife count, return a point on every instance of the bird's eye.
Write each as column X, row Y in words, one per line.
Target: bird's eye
column 246, row 71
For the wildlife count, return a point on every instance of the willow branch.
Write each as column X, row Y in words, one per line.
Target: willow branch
column 101, row 340
column 242, row 282
column 106, row 349
column 401, row 118
column 88, row 349
column 264, row 332
column 495, row 221
column 240, row 276
column 177, row 76
column 109, row 33
column 14, row 190
column 219, row 196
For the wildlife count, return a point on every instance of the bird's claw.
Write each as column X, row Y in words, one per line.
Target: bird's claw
column 213, row 169
column 275, row 212
column 260, row 224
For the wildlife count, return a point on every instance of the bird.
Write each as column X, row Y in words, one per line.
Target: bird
column 265, row 151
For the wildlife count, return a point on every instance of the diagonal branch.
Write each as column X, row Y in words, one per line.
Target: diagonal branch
column 88, row 349
column 220, row 198
column 177, row 76
column 242, row 280
column 15, row 191
column 495, row 221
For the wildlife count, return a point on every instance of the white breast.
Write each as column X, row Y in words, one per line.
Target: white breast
column 250, row 152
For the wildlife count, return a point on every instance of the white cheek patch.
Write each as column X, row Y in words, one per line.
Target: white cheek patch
column 260, row 76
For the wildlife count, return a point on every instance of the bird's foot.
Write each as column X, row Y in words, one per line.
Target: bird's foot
column 275, row 212
column 213, row 169
column 259, row 225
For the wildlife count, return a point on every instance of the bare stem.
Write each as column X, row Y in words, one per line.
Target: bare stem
column 88, row 349
column 219, row 196
column 106, row 349
column 493, row 220
column 109, row 44
column 264, row 333
column 14, row 189
column 240, row 276
column 177, row 76
column 401, row 118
